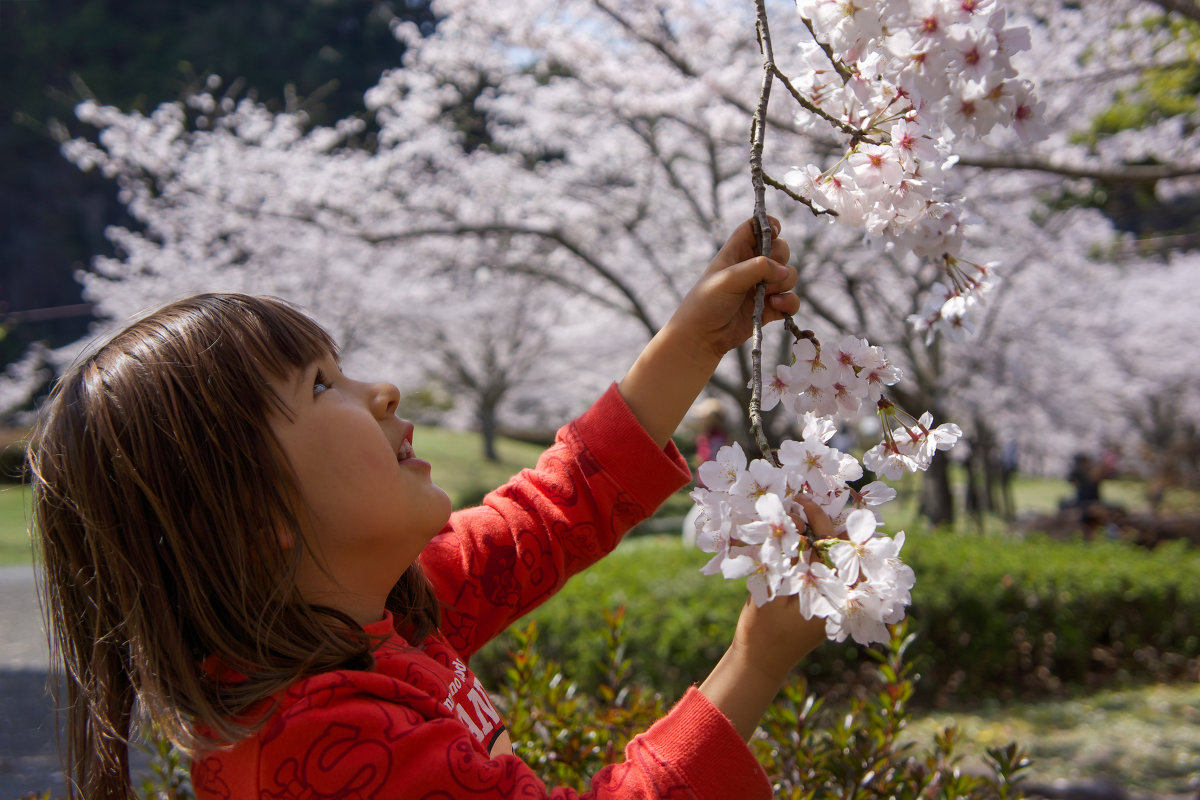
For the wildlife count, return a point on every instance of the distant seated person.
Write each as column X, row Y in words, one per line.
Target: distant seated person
column 1086, row 476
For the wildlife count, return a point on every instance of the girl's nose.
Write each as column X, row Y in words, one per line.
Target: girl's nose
column 383, row 399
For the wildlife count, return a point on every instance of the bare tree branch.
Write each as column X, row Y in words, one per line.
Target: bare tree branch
column 1186, row 8
column 353, row 230
column 799, row 198
column 1129, row 173
column 837, row 64
column 676, row 60
column 668, row 167
column 762, row 226
column 782, row 122
column 854, row 133
column 1110, row 73
column 635, row 308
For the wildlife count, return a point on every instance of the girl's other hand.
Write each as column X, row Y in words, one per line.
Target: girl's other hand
column 767, row 645
column 774, row 636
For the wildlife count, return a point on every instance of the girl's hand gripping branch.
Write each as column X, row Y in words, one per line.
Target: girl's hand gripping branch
column 716, row 316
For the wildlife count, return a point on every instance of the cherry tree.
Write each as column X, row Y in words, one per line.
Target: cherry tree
column 234, row 198
column 608, row 142
column 599, row 148
column 504, row 343
column 1060, row 363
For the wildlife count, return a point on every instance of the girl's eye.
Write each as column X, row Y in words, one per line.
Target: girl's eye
column 320, row 384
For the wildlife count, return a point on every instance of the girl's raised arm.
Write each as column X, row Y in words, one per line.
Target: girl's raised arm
column 715, row 317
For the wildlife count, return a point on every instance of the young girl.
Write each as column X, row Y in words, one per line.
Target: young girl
column 240, row 544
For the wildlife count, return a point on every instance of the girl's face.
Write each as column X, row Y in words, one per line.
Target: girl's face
column 368, row 505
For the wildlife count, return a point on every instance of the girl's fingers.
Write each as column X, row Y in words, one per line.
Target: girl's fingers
column 785, row 303
column 780, row 251
column 818, row 520
column 745, row 275
column 739, row 246
column 743, row 245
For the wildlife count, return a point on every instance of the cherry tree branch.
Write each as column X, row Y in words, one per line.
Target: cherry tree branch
column 799, row 198
column 1110, row 73
column 351, row 228
column 663, row 48
column 672, row 57
column 762, row 225
column 651, row 141
column 635, row 308
column 1186, row 8
column 854, row 133
column 837, row 64
column 823, row 311
column 1131, row 173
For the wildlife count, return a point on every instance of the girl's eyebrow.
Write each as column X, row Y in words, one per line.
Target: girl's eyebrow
column 303, row 376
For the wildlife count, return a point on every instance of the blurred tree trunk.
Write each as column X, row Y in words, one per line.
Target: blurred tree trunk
column 937, row 502
column 486, row 416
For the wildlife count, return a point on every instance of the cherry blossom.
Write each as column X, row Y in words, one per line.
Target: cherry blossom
column 819, row 589
column 861, row 552
column 751, row 519
column 859, row 616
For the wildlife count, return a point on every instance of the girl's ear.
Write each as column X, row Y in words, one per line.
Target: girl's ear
column 285, row 537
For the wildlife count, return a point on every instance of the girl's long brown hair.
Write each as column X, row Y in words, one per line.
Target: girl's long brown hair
column 159, row 493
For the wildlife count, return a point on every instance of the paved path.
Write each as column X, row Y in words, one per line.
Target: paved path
column 22, row 640
column 28, row 743
column 28, row 754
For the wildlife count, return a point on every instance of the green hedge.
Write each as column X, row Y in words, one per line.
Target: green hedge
column 1007, row 618
column 993, row 617
column 811, row 749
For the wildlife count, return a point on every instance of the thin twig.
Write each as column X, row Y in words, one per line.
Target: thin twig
column 791, row 327
column 756, row 417
column 799, row 198
column 854, row 133
column 837, row 65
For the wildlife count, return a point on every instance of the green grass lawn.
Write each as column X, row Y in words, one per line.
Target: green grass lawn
column 1032, row 496
column 458, row 467
column 1145, row 740
column 14, row 515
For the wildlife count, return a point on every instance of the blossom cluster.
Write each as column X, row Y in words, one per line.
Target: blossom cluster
column 752, row 513
column 906, row 80
column 902, row 80
column 947, row 305
column 828, row 384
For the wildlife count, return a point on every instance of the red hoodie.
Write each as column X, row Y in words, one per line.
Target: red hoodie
column 418, row 724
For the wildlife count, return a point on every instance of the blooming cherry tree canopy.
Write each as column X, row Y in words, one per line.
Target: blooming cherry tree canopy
column 599, row 148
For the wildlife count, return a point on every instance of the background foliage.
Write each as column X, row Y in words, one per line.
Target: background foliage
column 319, row 56
column 809, row 748
column 993, row 617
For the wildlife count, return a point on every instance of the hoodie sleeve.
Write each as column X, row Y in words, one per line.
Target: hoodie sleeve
column 496, row 562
